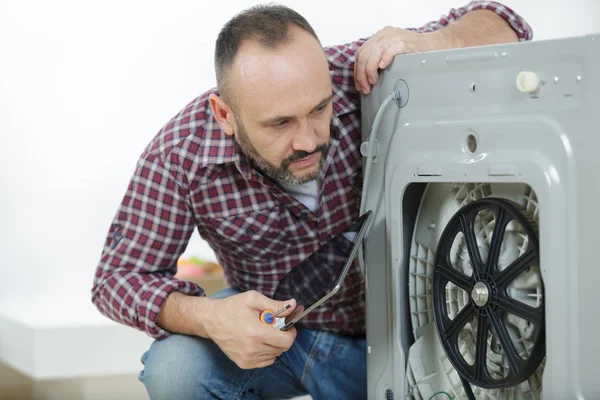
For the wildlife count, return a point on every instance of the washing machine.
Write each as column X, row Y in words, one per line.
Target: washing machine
column 482, row 168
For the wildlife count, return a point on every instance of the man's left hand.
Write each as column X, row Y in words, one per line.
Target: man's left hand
column 379, row 51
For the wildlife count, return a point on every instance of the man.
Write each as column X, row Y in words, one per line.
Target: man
column 267, row 168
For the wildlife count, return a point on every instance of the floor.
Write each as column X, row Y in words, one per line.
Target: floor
column 16, row 386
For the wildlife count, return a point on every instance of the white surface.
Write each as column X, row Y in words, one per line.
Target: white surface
column 83, row 87
column 54, row 311
column 71, row 351
column 61, row 339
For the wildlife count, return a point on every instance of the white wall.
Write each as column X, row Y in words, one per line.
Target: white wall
column 84, row 85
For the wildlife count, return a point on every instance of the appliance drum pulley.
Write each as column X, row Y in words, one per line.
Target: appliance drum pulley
column 496, row 318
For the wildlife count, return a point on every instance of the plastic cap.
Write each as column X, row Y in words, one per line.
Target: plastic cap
column 364, row 148
column 269, row 318
column 528, row 82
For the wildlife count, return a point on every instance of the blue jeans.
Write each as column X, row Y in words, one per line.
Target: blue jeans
column 325, row 365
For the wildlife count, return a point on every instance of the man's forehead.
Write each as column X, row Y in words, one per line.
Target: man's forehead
column 266, row 80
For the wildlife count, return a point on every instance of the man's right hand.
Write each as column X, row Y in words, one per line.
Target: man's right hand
column 234, row 325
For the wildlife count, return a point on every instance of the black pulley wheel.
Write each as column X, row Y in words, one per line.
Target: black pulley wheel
column 489, row 302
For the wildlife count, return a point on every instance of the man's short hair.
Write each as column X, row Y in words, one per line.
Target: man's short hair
column 267, row 24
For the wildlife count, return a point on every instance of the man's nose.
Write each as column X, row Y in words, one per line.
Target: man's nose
column 305, row 139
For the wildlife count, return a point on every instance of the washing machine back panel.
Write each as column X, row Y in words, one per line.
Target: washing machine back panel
column 516, row 113
column 488, row 91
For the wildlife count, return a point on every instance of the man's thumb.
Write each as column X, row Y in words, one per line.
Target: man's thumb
column 283, row 307
column 260, row 302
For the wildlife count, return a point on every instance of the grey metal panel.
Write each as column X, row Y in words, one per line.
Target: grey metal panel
column 548, row 140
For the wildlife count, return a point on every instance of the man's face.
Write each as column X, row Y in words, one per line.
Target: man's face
column 283, row 106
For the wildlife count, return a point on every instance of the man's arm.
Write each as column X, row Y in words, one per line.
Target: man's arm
column 479, row 23
column 149, row 232
column 477, row 28
column 135, row 283
column 185, row 314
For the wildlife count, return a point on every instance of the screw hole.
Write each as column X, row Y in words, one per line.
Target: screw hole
column 472, row 88
column 472, row 143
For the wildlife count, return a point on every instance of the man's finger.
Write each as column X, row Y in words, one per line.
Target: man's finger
column 279, row 305
column 361, row 60
column 372, row 66
column 362, row 57
column 256, row 362
column 264, row 363
column 274, row 351
column 388, row 39
column 371, row 60
column 392, row 51
column 259, row 302
column 356, row 84
column 280, row 339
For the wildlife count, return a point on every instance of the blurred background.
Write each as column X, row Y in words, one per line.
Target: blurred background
column 84, row 86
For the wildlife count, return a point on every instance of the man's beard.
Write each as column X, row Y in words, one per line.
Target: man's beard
column 281, row 173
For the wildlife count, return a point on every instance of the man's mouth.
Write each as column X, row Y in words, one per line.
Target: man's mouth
column 306, row 161
column 303, row 159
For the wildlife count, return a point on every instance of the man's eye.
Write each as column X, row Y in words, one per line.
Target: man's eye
column 280, row 124
column 320, row 109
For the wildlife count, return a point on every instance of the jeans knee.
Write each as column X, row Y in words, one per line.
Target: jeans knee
column 176, row 368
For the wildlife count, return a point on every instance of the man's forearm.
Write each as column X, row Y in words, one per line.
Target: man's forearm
column 184, row 314
column 477, row 28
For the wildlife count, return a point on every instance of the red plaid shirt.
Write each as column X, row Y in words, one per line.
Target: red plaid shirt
column 192, row 176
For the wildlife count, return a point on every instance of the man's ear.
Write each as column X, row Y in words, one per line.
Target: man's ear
column 223, row 114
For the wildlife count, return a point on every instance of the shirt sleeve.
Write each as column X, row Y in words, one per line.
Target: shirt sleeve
column 516, row 22
column 149, row 232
